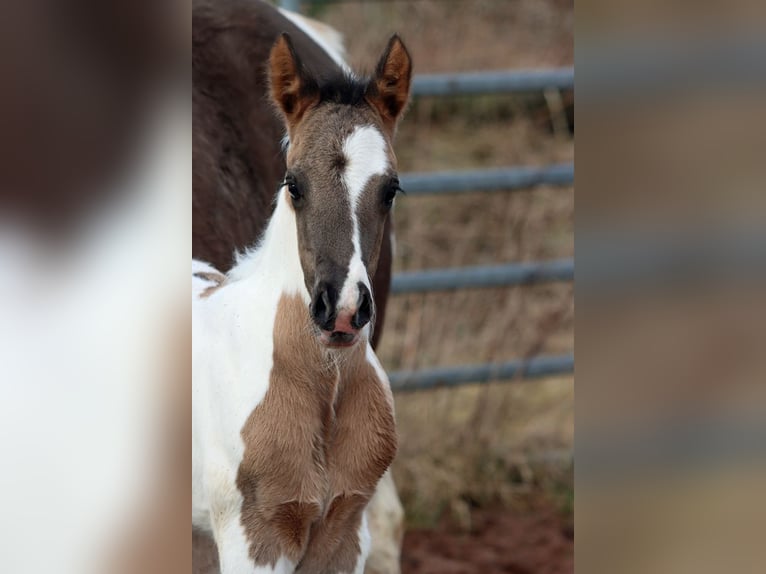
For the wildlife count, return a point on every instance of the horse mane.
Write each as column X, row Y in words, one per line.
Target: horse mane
column 343, row 88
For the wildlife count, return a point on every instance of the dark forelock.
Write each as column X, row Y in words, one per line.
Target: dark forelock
column 343, row 88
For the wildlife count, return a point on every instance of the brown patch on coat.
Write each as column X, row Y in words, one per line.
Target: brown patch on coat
column 204, row 553
column 237, row 156
column 212, row 276
column 315, row 449
column 219, row 280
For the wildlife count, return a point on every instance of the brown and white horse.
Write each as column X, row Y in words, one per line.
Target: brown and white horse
column 293, row 415
column 238, row 156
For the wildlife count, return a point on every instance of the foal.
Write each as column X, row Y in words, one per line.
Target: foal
column 293, row 415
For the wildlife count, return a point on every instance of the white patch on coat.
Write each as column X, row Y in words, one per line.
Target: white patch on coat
column 365, row 152
column 326, row 37
column 233, row 550
column 365, row 543
column 385, row 518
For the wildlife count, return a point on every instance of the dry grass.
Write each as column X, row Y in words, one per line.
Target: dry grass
column 477, row 445
column 458, row 35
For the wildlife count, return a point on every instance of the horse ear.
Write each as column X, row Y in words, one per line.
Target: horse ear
column 292, row 89
column 390, row 87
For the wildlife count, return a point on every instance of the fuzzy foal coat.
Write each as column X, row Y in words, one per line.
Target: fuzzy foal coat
column 315, row 446
column 339, row 441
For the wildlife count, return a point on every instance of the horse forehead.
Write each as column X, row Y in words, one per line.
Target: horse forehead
column 365, row 151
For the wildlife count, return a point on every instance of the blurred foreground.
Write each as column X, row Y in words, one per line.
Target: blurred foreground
column 95, row 182
column 671, row 234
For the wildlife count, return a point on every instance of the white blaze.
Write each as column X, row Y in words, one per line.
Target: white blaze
column 365, row 151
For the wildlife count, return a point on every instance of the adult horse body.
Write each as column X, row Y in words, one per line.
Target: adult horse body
column 293, row 417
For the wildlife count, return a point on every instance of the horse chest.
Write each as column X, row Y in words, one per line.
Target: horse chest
column 315, row 448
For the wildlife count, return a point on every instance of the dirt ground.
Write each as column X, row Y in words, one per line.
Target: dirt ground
column 538, row 542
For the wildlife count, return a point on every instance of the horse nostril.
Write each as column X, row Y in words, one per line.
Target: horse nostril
column 364, row 308
column 325, row 300
column 323, row 306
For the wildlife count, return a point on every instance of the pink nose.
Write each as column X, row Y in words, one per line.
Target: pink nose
column 343, row 323
column 343, row 334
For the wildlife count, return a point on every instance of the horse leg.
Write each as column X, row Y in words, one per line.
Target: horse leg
column 234, row 552
column 204, row 553
column 386, row 519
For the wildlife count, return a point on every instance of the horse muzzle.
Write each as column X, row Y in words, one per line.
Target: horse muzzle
column 340, row 327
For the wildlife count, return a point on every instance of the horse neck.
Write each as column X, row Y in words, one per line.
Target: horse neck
column 273, row 272
column 275, row 257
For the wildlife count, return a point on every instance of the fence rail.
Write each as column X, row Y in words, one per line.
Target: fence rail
column 486, row 180
column 492, row 82
column 483, row 276
column 453, row 376
column 499, row 179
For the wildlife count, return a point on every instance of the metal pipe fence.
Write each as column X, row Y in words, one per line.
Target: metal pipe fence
column 523, row 369
column 486, row 180
column 493, row 82
column 499, row 179
column 511, row 274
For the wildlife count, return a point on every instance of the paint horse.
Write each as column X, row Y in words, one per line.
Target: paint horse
column 238, row 157
column 293, row 414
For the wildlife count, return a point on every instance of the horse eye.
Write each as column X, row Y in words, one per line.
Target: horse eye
column 292, row 188
column 390, row 193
